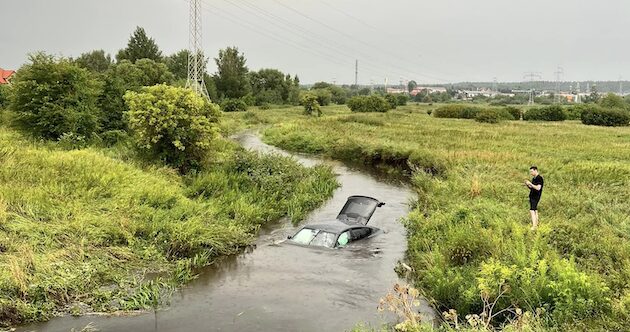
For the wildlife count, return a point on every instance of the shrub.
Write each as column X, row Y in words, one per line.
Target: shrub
column 598, row 116
column 488, row 116
column 392, row 100
column 549, row 113
column 172, row 124
column 324, row 96
column 402, row 99
column 53, row 97
column 311, row 105
column 368, row 104
column 233, row 105
column 516, row 112
column 575, row 111
column 457, row 111
column 113, row 137
column 4, row 95
column 611, row 100
column 126, row 76
column 429, row 112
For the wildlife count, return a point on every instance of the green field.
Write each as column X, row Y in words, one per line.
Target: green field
column 469, row 231
column 97, row 229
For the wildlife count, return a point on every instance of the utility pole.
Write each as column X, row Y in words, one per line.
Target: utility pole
column 621, row 86
column 356, row 74
column 559, row 72
column 196, row 63
column 531, row 75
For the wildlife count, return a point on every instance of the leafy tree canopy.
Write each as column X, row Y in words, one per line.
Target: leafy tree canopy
column 231, row 78
column 140, row 46
column 96, row 61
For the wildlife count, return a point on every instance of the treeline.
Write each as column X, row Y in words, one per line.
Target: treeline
column 611, row 111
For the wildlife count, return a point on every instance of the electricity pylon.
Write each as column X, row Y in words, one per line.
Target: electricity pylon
column 196, row 62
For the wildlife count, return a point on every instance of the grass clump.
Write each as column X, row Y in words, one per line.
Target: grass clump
column 87, row 226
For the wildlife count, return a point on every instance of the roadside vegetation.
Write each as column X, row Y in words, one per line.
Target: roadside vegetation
column 469, row 237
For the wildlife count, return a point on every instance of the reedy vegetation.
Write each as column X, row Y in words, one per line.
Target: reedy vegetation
column 469, row 231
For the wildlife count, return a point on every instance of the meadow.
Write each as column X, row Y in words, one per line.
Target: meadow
column 470, row 244
column 97, row 229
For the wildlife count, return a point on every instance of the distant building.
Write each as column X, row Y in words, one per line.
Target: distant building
column 5, row 76
column 416, row 90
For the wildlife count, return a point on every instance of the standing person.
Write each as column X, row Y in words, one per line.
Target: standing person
column 535, row 191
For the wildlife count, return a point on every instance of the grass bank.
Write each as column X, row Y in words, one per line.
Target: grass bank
column 469, row 238
column 96, row 230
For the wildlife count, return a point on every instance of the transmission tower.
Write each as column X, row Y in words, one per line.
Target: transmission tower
column 620, row 86
column 196, row 62
column 356, row 74
column 530, row 76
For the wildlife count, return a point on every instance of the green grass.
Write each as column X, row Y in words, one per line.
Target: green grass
column 469, row 232
column 96, row 226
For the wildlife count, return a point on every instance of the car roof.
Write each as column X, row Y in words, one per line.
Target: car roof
column 336, row 227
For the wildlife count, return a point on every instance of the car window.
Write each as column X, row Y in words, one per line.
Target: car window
column 360, row 233
column 305, row 236
column 343, row 239
column 324, row 239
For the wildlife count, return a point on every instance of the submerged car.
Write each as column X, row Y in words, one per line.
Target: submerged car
column 350, row 225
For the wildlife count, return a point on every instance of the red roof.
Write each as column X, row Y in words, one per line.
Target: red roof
column 4, row 75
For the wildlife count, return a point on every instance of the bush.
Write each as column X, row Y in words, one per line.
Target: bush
column 429, row 112
column 549, row 113
column 126, row 76
column 516, row 112
column 324, row 96
column 368, row 104
column 4, row 95
column 488, row 116
column 598, row 116
column 172, row 124
column 392, row 100
column 402, row 99
column 611, row 100
column 574, row 112
column 233, row 105
column 456, row 111
column 311, row 105
column 52, row 97
column 113, row 137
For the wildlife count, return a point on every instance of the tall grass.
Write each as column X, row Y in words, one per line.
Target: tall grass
column 91, row 225
column 470, row 227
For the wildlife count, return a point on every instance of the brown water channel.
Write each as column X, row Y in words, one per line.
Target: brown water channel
column 283, row 287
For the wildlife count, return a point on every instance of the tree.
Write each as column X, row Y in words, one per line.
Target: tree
column 95, row 61
column 411, row 86
column 270, row 86
column 126, row 76
column 611, row 100
column 53, row 97
column 311, row 106
column 177, row 63
column 231, row 78
column 172, row 124
column 140, row 46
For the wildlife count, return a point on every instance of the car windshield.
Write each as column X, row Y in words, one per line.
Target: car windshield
column 315, row 237
column 305, row 236
column 324, row 239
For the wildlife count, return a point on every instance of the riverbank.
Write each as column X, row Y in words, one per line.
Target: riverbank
column 97, row 230
column 469, row 239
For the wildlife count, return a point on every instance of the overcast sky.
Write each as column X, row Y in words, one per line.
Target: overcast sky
column 434, row 41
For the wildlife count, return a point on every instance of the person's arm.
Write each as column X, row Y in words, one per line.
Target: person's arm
column 536, row 187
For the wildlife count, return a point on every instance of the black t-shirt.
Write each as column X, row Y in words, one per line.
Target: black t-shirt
column 533, row 193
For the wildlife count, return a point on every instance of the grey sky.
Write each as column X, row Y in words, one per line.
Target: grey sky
column 435, row 41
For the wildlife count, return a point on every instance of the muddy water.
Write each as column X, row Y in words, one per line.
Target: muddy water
column 282, row 287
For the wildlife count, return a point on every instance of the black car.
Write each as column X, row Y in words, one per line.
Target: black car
column 350, row 225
